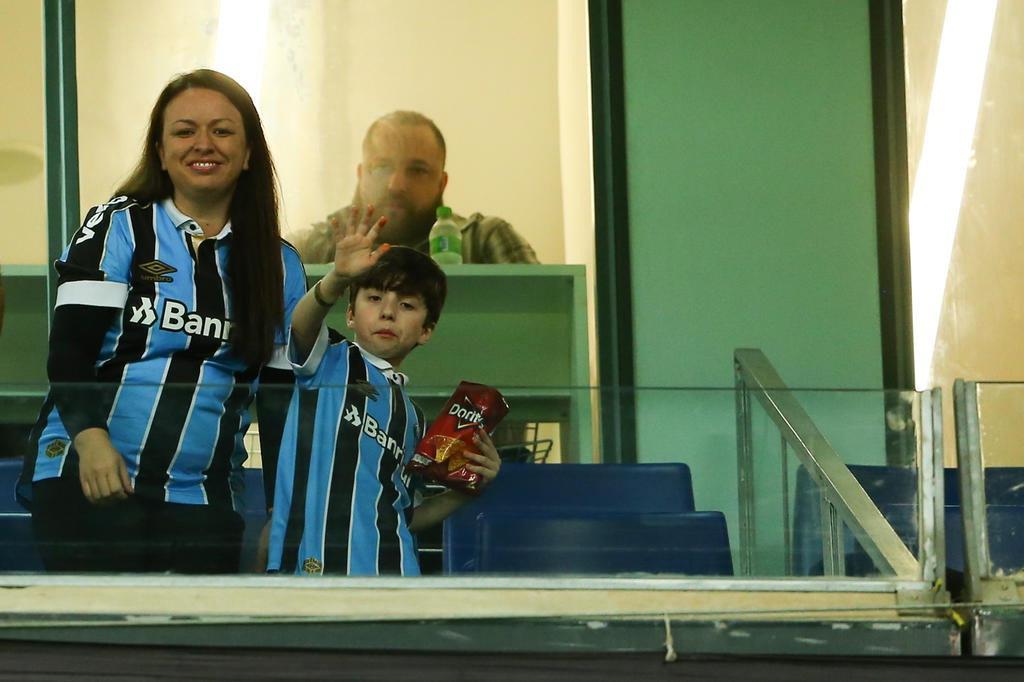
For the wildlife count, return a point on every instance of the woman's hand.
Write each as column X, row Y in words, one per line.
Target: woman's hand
column 101, row 468
column 354, row 251
column 488, row 462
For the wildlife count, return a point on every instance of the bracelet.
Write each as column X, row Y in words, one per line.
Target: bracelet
column 316, row 295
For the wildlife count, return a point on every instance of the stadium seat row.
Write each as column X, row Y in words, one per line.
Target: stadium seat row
column 894, row 491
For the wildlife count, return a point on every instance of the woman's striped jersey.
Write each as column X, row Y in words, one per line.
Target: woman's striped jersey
column 342, row 503
column 178, row 397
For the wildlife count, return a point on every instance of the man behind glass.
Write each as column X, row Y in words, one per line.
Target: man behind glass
column 402, row 174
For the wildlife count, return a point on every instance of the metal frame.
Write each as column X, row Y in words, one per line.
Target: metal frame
column 995, row 601
column 931, row 518
column 746, row 493
column 972, row 488
column 61, row 87
column 460, row 583
column 754, row 373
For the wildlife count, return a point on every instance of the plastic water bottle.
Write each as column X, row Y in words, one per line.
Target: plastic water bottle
column 445, row 238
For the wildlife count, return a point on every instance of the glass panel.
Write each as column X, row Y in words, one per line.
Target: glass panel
column 22, row 192
column 998, row 439
column 804, row 497
column 674, row 513
column 22, row 177
column 320, row 73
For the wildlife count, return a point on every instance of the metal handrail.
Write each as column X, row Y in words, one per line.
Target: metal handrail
column 826, row 467
column 973, row 507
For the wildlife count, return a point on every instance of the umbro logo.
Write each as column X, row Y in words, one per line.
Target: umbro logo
column 156, row 271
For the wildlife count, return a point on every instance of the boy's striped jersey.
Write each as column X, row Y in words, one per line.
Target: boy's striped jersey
column 178, row 395
column 342, row 503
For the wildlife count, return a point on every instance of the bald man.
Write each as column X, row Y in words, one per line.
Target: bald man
column 402, row 175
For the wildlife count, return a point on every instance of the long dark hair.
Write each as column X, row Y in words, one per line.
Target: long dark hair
column 255, row 270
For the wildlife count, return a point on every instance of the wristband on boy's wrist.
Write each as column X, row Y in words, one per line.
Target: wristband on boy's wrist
column 318, row 298
column 340, row 284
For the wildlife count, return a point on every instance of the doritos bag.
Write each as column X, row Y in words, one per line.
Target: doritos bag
column 440, row 455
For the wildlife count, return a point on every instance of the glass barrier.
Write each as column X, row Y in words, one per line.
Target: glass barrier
column 836, row 483
column 22, row 162
column 309, row 70
column 991, row 476
column 751, row 483
column 795, row 525
column 23, row 199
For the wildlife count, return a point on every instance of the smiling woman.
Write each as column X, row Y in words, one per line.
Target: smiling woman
column 204, row 151
column 145, row 475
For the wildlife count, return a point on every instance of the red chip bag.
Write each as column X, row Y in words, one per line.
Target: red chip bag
column 440, row 455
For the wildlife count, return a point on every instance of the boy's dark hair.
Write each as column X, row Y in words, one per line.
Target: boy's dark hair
column 408, row 272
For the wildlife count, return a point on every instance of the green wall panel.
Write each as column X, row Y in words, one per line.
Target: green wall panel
column 751, row 188
column 752, row 213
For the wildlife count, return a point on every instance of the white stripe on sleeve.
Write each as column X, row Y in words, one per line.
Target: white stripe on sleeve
column 91, row 292
column 308, row 366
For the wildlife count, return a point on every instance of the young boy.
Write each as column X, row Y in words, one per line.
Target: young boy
column 342, row 502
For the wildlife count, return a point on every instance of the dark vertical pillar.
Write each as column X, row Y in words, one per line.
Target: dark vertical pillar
column 61, row 88
column 614, row 291
column 892, row 192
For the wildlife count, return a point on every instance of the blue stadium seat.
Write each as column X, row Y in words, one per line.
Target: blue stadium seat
column 1005, row 537
column 894, row 490
column 1004, row 497
column 567, row 488
column 692, row 543
column 887, row 486
column 591, row 487
column 17, row 547
column 1004, row 486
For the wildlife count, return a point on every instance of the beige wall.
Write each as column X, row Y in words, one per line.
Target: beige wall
column 982, row 319
column 488, row 73
column 22, row 182
column 126, row 52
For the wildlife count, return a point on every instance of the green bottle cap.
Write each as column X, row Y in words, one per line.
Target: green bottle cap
column 444, row 212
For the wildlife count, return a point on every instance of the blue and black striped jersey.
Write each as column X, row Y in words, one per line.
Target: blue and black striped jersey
column 342, row 503
column 177, row 405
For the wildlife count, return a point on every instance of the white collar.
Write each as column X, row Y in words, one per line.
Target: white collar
column 384, row 366
column 189, row 225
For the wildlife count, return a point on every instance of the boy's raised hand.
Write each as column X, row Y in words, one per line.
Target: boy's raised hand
column 354, row 251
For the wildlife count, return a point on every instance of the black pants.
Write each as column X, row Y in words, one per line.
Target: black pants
column 135, row 535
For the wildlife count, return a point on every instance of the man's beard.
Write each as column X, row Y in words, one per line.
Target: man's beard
column 412, row 228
